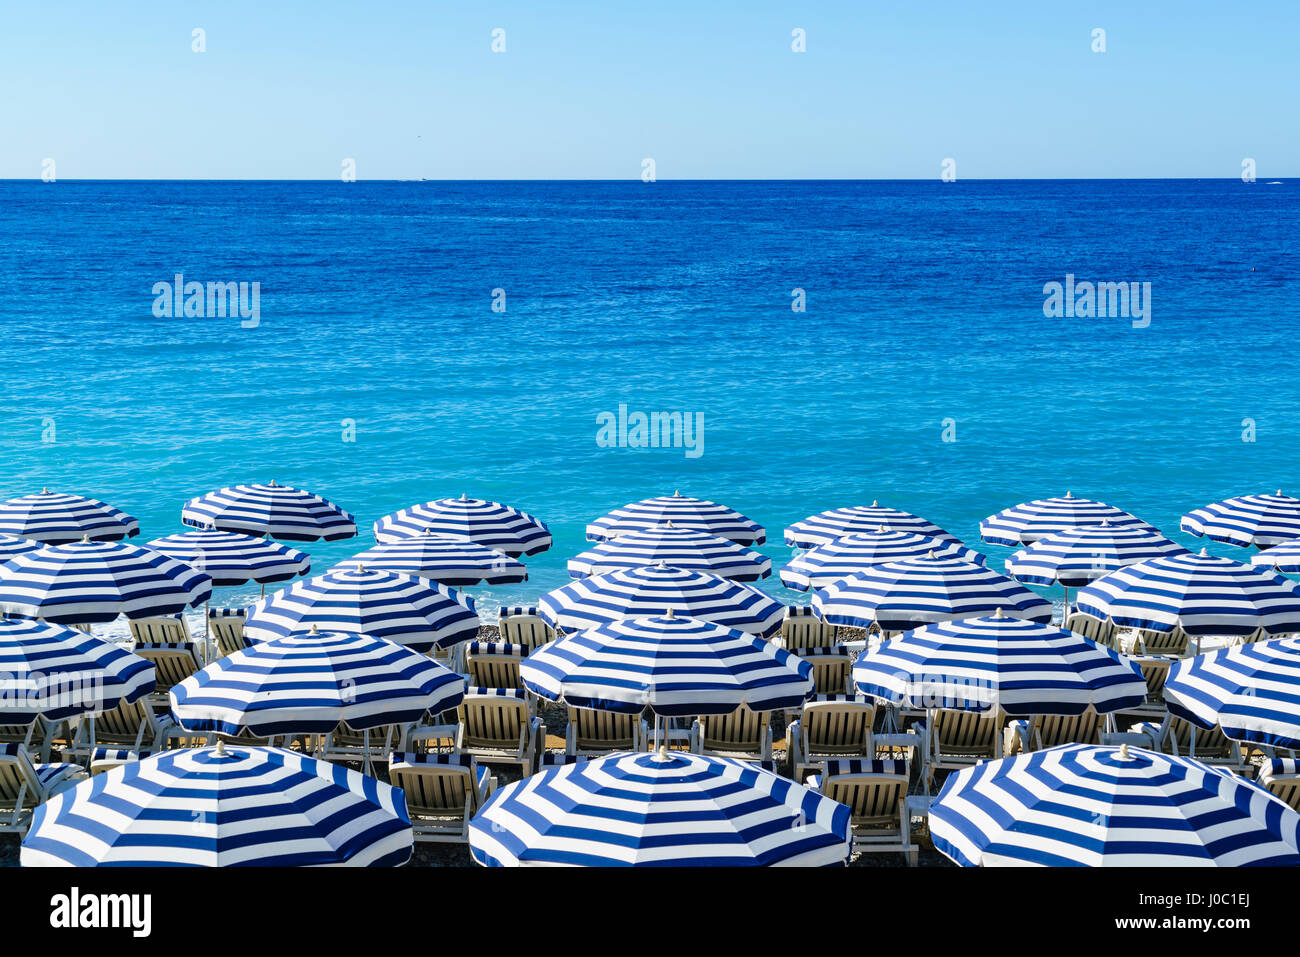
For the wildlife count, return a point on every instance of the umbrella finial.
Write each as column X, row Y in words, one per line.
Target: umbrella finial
column 314, row 630
column 46, row 491
column 880, row 529
column 932, row 554
column 663, row 752
column 875, row 503
column 1205, row 552
column 677, row 493
column 361, row 567
column 464, row 497
column 221, row 748
column 669, row 613
column 1123, row 751
column 669, row 523
column 998, row 614
column 273, row 483
column 1069, row 494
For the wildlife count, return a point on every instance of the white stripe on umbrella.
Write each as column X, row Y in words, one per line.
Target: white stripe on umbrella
column 449, row 559
column 819, row 566
column 231, row 558
column 1261, row 520
column 280, row 511
column 486, row 523
column 1028, row 522
column 670, row 545
column 683, row 511
column 56, row 518
column 825, row 527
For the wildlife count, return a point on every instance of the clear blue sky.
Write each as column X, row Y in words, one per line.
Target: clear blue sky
column 411, row 88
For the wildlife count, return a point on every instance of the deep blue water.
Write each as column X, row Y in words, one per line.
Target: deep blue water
column 924, row 303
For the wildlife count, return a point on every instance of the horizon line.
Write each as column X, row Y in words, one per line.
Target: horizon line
column 796, row 179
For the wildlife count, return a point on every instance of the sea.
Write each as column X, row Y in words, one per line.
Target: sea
column 832, row 343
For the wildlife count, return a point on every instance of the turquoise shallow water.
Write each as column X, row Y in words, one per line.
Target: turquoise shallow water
column 924, row 303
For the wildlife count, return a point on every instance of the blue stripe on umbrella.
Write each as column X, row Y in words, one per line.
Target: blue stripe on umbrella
column 665, row 810
column 1261, row 520
column 670, row 545
column 449, row 559
column 1080, row 555
column 638, row 592
column 825, row 527
column 280, row 511
column 486, row 523
column 1028, row 522
column 56, row 518
column 228, row 806
column 819, row 566
column 231, row 558
column 1251, row 691
column 673, row 665
column 89, row 582
column 1202, row 594
column 308, row 683
column 1082, row 805
column 683, row 511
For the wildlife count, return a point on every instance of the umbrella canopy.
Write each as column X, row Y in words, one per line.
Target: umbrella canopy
column 449, row 559
column 308, row 683
column 490, row 524
column 280, row 511
column 1083, row 554
column 683, row 511
column 670, row 545
column 638, row 809
column 1083, row 805
column 89, row 582
column 1261, row 520
column 54, row 672
column 917, row 591
column 819, row 566
column 639, row 592
column 673, row 665
column 825, row 527
column 11, row 545
column 1252, row 691
column 222, row 807
column 1284, row 557
column 230, row 558
column 1026, row 523
column 1019, row 667
column 1202, row 594
column 419, row 614
column 56, row 518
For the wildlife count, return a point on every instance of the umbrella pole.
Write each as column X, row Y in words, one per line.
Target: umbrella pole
column 365, row 743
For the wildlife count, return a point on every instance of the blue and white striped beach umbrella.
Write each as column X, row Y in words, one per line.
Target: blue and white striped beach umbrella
column 672, row 665
column 449, row 559
column 670, row 545
column 230, row 558
column 819, row 566
column 1261, row 520
column 1017, row 666
column 1077, row 556
column 825, row 527
column 683, row 511
column 642, row 592
column 486, row 523
column 1083, row 805
column 227, row 806
column 419, row 614
column 57, row 517
column 917, row 591
column 308, row 683
column 280, row 511
column 639, row 809
column 1202, row 594
column 1027, row 522
column 1252, row 691
column 89, row 582
column 54, row 672
column 1284, row 557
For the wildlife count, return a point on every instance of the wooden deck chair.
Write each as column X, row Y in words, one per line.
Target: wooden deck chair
column 741, row 734
column 132, row 725
column 167, row 630
column 24, row 784
column 801, row 628
column 1281, row 778
column 347, row 744
column 443, row 792
column 1180, row 737
column 226, row 628
column 1048, row 730
column 961, row 739
column 830, row 726
column 1102, row 632
column 831, row 668
column 552, row 759
column 1155, row 671
column 172, row 663
column 524, row 625
column 875, row 792
column 1168, row 644
column 494, row 664
column 106, row 759
column 496, row 726
column 592, row 732
column 37, row 737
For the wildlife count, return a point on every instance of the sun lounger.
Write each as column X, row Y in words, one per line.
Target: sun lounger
column 1048, row 730
column 742, row 734
column 1169, row 644
column 960, row 739
column 1281, row 778
column 173, row 663
column 497, row 726
column 24, row 784
column 523, row 625
column 494, row 664
column 592, row 732
column 801, row 629
column 106, row 759
column 132, row 725
column 226, row 628
column 1102, row 632
column 38, row 737
column 830, row 726
column 443, row 792
column 831, row 668
column 167, row 630
column 875, row 792
column 1180, row 737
